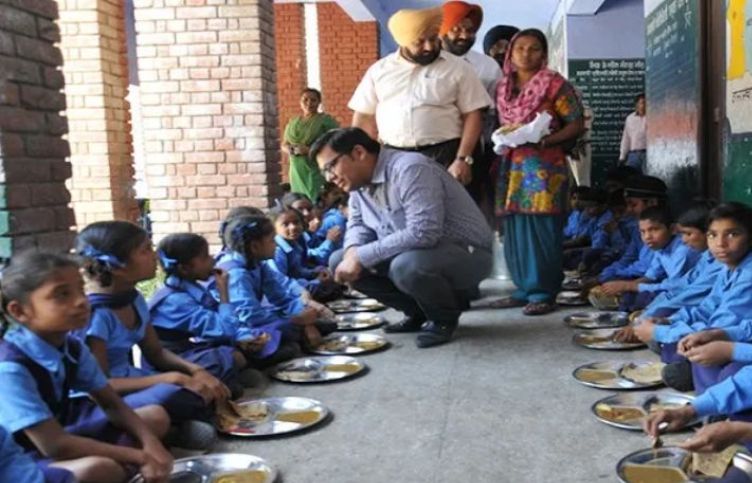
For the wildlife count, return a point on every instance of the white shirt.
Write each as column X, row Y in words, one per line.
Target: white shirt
column 418, row 105
column 487, row 69
column 635, row 135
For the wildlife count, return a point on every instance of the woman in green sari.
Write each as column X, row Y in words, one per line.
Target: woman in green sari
column 300, row 134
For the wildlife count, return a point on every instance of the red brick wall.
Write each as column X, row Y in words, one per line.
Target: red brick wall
column 289, row 32
column 347, row 49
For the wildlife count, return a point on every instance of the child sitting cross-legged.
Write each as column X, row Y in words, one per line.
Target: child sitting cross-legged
column 118, row 255
column 43, row 299
column 184, row 310
column 671, row 260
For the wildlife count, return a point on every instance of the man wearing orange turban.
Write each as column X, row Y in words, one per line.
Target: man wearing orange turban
column 459, row 27
column 421, row 98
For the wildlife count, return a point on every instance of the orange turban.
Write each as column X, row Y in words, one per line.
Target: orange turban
column 456, row 12
column 407, row 25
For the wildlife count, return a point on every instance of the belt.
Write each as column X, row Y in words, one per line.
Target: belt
column 417, row 149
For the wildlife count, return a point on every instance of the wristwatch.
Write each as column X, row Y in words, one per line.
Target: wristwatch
column 467, row 160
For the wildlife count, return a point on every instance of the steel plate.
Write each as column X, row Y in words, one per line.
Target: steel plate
column 602, row 339
column 362, row 321
column 356, row 305
column 350, row 344
column 217, row 468
column 318, row 369
column 675, row 457
column 617, row 382
column 275, row 416
column 597, row 320
column 644, row 403
column 571, row 298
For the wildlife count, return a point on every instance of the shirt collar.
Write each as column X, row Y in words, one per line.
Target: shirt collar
column 193, row 289
column 671, row 246
column 283, row 244
column 379, row 172
column 38, row 349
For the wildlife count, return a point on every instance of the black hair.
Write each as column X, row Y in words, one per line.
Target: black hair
column 179, row 248
column 343, row 141
column 537, row 34
column 621, row 173
column 105, row 245
column 285, row 187
column 291, row 198
column 639, row 96
column 594, row 196
column 234, row 213
column 25, row 273
column 579, row 190
column 696, row 216
column 244, row 229
column 616, row 199
column 328, row 189
column 311, row 90
column 281, row 210
column 733, row 210
column 657, row 214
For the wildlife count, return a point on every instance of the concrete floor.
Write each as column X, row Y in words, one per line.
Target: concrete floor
column 498, row 404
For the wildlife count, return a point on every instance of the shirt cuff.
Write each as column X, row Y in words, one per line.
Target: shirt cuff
column 735, row 334
column 661, row 334
column 742, row 352
column 367, row 254
column 704, row 405
column 649, row 287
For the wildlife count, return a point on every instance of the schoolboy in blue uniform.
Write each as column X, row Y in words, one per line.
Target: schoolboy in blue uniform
column 578, row 221
column 593, row 236
column 334, row 218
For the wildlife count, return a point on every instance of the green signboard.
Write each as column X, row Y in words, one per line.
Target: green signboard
column 608, row 88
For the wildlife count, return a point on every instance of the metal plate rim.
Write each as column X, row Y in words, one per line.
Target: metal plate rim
column 356, row 305
column 273, row 472
column 624, row 347
column 624, row 460
column 378, row 337
column 380, row 323
column 325, row 412
column 610, row 325
column 645, row 396
column 350, row 360
column 633, row 385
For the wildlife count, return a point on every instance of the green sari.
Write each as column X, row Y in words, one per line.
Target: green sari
column 305, row 176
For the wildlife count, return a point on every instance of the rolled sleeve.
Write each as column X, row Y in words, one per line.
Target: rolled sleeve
column 364, row 98
column 742, row 353
column 21, row 404
column 730, row 396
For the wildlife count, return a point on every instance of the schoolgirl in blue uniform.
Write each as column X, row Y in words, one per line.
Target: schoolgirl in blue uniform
column 259, row 292
column 40, row 362
column 118, row 255
column 334, row 223
column 184, row 310
column 319, row 246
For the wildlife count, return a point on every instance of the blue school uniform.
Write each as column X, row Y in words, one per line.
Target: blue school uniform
column 183, row 310
column 577, row 225
column 180, row 403
column 290, row 259
column 600, row 239
column 633, row 251
column 35, row 378
column 318, row 250
column 636, row 269
column 333, row 217
column 669, row 265
column 689, row 290
column 261, row 295
column 726, row 307
column 18, row 467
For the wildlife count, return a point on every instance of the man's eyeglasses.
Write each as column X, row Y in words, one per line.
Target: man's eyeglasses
column 329, row 165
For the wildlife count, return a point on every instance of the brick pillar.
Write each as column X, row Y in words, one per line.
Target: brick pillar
column 346, row 50
column 34, row 209
column 207, row 78
column 289, row 32
column 96, row 78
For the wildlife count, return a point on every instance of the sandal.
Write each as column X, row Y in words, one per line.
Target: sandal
column 507, row 303
column 539, row 308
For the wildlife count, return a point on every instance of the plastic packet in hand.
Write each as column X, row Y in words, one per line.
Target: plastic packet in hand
column 531, row 132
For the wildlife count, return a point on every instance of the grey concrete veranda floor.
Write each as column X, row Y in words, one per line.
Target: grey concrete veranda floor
column 498, row 404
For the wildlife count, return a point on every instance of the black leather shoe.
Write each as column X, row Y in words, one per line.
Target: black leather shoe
column 408, row 324
column 434, row 334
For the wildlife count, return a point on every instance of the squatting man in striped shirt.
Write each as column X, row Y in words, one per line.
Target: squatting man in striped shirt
column 415, row 239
